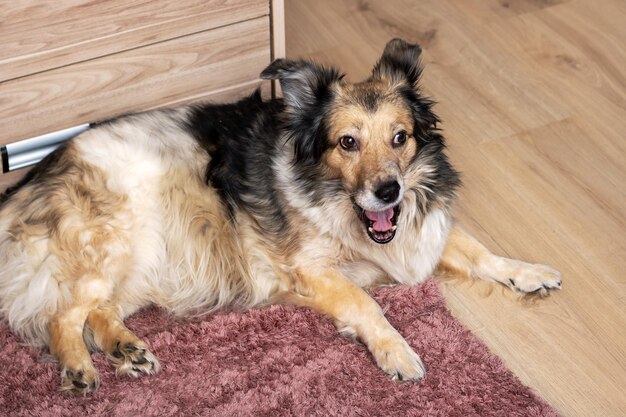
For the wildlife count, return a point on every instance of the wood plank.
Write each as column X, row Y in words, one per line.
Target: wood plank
column 222, row 95
column 548, row 207
column 278, row 38
column 163, row 73
column 36, row 36
column 532, row 96
column 278, row 29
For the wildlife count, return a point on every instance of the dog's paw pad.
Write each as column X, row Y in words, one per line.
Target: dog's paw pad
column 79, row 382
column 535, row 279
column 134, row 360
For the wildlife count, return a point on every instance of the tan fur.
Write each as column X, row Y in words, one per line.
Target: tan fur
column 466, row 255
column 127, row 352
column 66, row 343
column 357, row 314
column 376, row 159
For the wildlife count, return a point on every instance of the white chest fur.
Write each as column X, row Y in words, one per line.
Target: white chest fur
column 414, row 253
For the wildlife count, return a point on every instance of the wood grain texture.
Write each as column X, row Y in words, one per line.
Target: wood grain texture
column 36, row 36
column 278, row 38
column 278, row 29
column 221, row 95
column 167, row 73
column 533, row 100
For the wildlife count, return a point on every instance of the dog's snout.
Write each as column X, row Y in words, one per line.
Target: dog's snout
column 388, row 192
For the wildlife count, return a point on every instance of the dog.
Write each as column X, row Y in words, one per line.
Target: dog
column 305, row 199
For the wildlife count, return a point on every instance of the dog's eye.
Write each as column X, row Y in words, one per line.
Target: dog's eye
column 399, row 139
column 348, row 143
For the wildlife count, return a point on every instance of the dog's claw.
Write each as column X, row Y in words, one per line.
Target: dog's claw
column 79, row 382
column 532, row 279
column 134, row 361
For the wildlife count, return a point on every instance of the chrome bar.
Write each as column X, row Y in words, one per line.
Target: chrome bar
column 28, row 152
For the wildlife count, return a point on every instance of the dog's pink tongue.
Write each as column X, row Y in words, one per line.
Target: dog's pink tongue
column 381, row 219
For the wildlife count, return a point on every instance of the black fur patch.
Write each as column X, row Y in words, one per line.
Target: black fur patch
column 444, row 179
column 368, row 98
column 424, row 118
column 241, row 139
column 308, row 91
column 307, row 88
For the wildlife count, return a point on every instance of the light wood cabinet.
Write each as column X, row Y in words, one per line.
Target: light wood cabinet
column 71, row 62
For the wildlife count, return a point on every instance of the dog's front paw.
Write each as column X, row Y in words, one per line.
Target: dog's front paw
column 394, row 356
column 537, row 278
column 79, row 381
column 134, row 359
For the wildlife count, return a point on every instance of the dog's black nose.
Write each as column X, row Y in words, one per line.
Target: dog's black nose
column 388, row 192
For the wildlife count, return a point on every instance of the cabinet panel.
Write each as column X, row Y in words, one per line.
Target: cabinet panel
column 39, row 35
column 166, row 73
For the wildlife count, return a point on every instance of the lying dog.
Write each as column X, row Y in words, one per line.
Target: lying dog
column 305, row 199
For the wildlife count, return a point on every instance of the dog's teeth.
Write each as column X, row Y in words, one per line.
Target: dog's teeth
column 394, row 227
column 370, row 229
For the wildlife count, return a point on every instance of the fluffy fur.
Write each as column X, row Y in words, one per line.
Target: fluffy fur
column 304, row 199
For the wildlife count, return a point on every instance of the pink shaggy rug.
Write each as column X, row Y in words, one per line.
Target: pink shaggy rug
column 281, row 361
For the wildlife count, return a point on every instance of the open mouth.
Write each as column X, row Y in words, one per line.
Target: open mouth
column 380, row 225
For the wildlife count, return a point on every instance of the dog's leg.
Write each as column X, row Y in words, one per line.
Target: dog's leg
column 78, row 375
column 357, row 314
column 67, row 326
column 127, row 352
column 465, row 254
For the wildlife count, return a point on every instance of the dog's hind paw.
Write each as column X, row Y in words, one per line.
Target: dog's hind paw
column 394, row 356
column 134, row 359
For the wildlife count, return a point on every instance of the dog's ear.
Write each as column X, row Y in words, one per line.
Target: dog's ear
column 307, row 89
column 400, row 63
column 304, row 83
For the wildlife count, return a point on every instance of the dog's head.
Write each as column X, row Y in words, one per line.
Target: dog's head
column 372, row 137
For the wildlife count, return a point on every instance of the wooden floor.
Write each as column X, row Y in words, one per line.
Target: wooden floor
column 532, row 97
